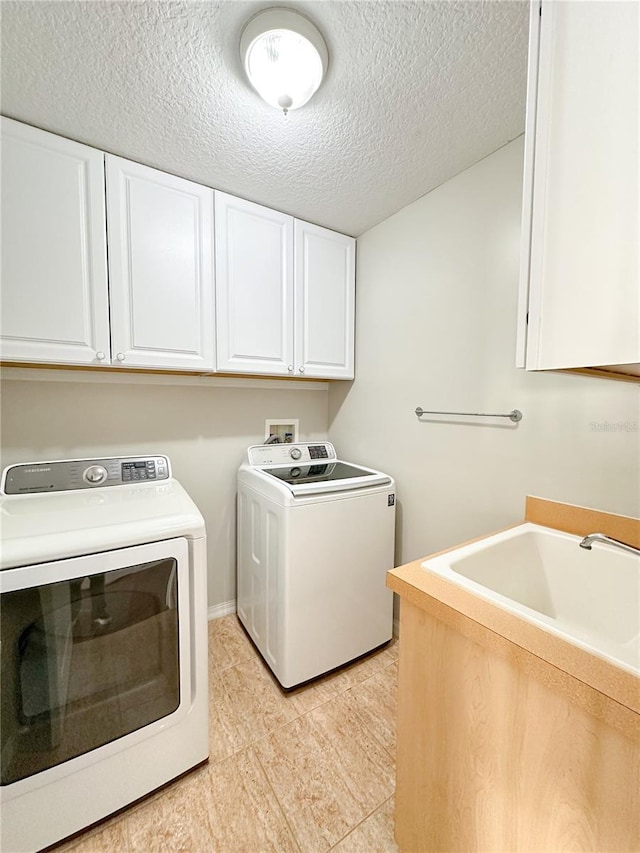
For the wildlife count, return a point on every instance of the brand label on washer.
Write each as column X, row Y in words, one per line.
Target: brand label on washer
column 391, row 500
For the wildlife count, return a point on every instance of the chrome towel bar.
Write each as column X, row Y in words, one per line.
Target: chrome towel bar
column 515, row 415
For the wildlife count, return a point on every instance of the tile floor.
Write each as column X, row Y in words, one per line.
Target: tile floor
column 305, row 771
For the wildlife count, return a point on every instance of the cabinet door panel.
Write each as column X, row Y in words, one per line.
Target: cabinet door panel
column 584, row 294
column 161, row 268
column 325, row 297
column 254, row 287
column 54, row 267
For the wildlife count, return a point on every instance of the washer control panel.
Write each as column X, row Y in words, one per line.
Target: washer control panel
column 71, row 474
column 284, row 454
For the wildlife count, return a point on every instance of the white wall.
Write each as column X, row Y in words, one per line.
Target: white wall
column 203, row 428
column 436, row 307
column 436, row 321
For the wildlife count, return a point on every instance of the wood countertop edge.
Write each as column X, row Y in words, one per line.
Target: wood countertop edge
column 574, row 666
column 622, row 715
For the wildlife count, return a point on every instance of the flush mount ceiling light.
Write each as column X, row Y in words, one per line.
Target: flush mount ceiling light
column 284, row 57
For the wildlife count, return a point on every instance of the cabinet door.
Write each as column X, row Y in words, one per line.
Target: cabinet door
column 584, row 292
column 160, row 268
column 54, row 262
column 254, row 288
column 325, row 299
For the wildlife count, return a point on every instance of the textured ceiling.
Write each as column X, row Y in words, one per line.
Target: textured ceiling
column 416, row 92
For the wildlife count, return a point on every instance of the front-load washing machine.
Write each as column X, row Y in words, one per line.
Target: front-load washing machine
column 315, row 540
column 103, row 642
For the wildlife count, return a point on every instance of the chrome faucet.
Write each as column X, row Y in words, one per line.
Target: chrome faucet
column 607, row 540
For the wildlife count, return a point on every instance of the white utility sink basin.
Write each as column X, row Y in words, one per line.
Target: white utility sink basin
column 591, row 599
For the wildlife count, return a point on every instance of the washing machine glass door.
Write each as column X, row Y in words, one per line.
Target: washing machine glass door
column 88, row 656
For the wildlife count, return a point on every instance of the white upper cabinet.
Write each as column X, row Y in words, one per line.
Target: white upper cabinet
column 281, row 302
column 324, row 302
column 285, row 294
column 579, row 276
column 254, row 288
column 160, row 268
column 54, row 265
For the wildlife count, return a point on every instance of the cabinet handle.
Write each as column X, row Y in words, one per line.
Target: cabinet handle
column 290, row 368
column 100, row 356
column 301, row 370
column 120, row 356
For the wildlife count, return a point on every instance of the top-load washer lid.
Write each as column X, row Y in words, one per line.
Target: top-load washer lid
column 329, row 473
column 307, row 472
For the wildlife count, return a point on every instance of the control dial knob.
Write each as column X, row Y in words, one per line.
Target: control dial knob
column 94, row 475
column 295, row 453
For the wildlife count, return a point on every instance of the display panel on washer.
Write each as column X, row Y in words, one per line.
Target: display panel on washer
column 85, row 662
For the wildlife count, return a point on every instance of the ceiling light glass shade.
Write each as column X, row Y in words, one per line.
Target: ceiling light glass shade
column 284, row 57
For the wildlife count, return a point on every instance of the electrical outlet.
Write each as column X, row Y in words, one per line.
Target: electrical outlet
column 286, row 429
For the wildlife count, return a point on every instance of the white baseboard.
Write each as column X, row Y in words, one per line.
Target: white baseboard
column 220, row 610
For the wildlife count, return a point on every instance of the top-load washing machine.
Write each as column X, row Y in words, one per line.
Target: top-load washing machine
column 315, row 540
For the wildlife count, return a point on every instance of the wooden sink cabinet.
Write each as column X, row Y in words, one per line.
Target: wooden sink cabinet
column 508, row 738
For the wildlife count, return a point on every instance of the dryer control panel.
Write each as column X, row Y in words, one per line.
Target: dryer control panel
column 283, row 454
column 70, row 474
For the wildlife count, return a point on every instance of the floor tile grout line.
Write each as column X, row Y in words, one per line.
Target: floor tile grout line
column 385, row 751
column 325, row 701
column 376, row 738
column 283, row 812
column 353, row 829
column 392, row 757
column 335, row 698
column 268, row 672
column 339, row 694
column 299, row 715
column 373, row 734
column 281, row 809
column 271, row 731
